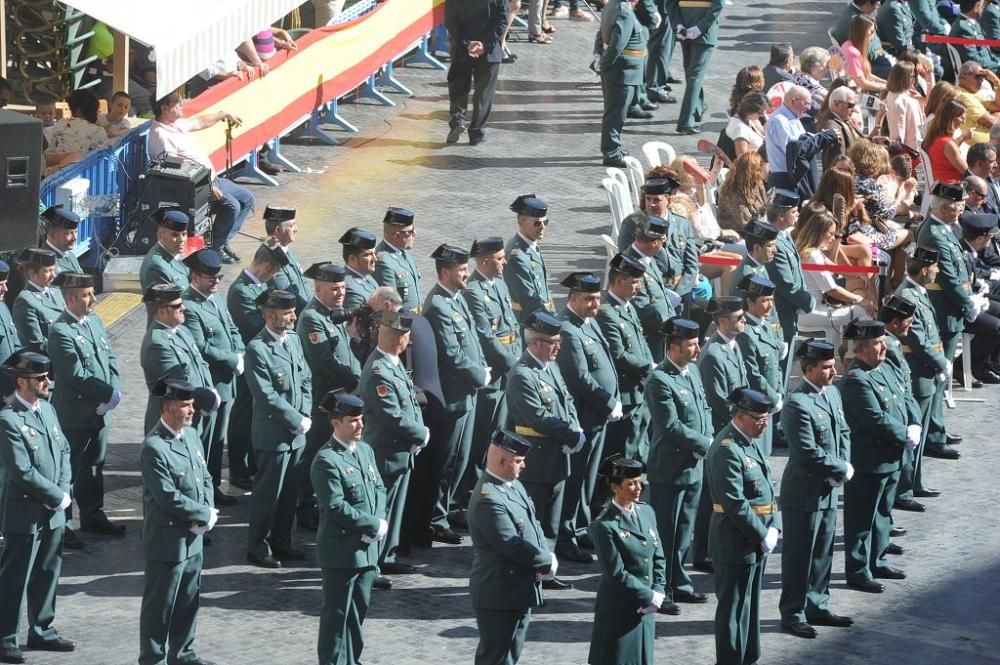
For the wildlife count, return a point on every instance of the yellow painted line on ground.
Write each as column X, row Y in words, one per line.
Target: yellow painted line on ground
column 116, row 307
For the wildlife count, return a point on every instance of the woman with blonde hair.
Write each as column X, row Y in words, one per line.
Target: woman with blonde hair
column 743, row 196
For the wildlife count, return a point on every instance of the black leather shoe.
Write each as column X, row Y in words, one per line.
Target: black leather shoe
column 910, row 505
column 897, row 532
column 831, row 619
column 673, row 80
column 927, row 493
column 894, row 549
column 942, row 452
column 11, row 655
column 585, row 542
column 866, row 585
column 55, row 644
column 103, row 526
column 667, row 607
column 987, row 377
column 71, row 541
column 397, row 568
column 223, row 499
column 616, row 162
column 662, row 97
column 649, row 106
column 799, row 629
column 556, row 584
column 382, row 582
column 637, row 113
column 454, row 134
column 228, row 251
column 953, row 439
column 445, row 535
column 228, row 260
column 690, row 131
column 570, row 552
column 690, row 597
column 704, row 566
column 476, row 139
column 267, row 561
column 889, row 573
column 290, row 555
column 243, row 482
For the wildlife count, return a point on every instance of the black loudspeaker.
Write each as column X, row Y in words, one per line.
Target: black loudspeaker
column 173, row 182
column 20, row 174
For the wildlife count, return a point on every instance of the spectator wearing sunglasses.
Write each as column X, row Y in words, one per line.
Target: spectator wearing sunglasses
column 837, row 117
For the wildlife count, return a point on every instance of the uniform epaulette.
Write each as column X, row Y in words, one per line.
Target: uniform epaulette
column 856, row 372
column 379, row 255
column 514, row 252
column 726, row 442
column 485, row 490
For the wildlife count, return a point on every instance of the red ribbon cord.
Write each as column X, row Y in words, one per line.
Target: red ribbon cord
column 811, row 267
column 961, row 41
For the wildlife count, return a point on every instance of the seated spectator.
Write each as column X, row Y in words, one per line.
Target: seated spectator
column 856, row 60
column 824, row 110
column 56, row 160
column 980, row 116
column 976, row 195
column 947, row 162
column 942, row 93
column 269, row 41
column 745, row 130
column 781, row 66
column 966, row 25
column 45, row 110
column 784, row 126
column 924, row 73
column 743, row 195
column 837, row 117
column 80, row 133
column 169, row 134
column 115, row 122
column 901, row 187
column 903, row 110
column 982, row 161
column 814, row 63
column 836, row 194
column 694, row 181
column 878, row 58
column 748, row 79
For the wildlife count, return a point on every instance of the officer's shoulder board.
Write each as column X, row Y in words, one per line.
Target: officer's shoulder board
column 515, row 252
column 379, row 255
column 728, row 441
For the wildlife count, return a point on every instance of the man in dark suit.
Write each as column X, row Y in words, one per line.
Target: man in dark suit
column 781, row 65
column 476, row 28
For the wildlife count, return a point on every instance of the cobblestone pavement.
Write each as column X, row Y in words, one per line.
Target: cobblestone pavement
column 543, row 138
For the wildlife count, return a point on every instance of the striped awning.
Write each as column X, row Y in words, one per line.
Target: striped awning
column 186, row 35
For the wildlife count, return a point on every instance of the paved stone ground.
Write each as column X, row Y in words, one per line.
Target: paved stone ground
column 542, row 138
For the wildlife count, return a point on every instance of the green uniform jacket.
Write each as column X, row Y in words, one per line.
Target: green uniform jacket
column 705, row 19
column 281, row 385
column 359, row 289
column 35, row 310
column 651, row 301
column 739, row 477
column 290, row 279
column 526, row 278
column 217, row 338
column 950, row 293
column 9, row 340
column 588, row 369
column 722, row 371
column 493, row 314
column 397, row 269
column 327, row 347
column 626, row 236
column 177, row 494
column 762, row 346
column 539, row 407
column 819, row 447
column 162, row 267
column 922, row 345
column 896, row 362
column 87, row 369
column 894, row 23
column 351, row 500
column 878, row 418
column 65, row 262
column 163, row 349
column 35, row 463
column 633, row 360
column 461, row 363
column 393, row 421
column 683, row 252
column 748, row 266
column 509, row 548
column 963, row 26
column 926, row 15
column 623, row 38
column 241, row 301
column 680, row 425
column 790, row 294
column 990, row 24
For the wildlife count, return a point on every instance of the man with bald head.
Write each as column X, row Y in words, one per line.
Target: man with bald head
column 785, row 126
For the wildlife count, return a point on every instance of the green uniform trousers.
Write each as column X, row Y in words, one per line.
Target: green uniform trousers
column 205, row 426
column 347, row 593
column 629, row 437
column 867, row 521
column 88, row 449
column 581, row 485
column 932, row 421
column 618, row 97
column 272, row 506
column 703, row 517
column 737, row 616
column 448, row 461
column 220, row 439
column 241, row 456
column 491, row 413
column 30, row 562
column 316, row 438
column 169, row 613
column 806, row 563
column 675, row 507
column 501, row 635
column 397, row 485
column 548, row 501
column 696, row 59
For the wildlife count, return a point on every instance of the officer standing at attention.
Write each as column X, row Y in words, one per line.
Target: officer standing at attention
column 588, row 369
column 525, row 274
column 622, row 70
column 359, row 260
column 881, row 428
column 500, row 338
column 633, row 574
column 633, row 361
column 394, row 427
column 327, row 347
column 510, row 552
column 541, row 410
column 281, row 385
column 762, row 345
column 216, row 336
column 696, row 25
column 394, row 264
column 762, row 245
column 681, row 426
column 60, row 237
column 177, row 511
column 38, row 305
column 785, row 269
column 90, row 387
column 36, row 496
column 163, row 264
column 745, row 526
column 819, row 450
column 351, row 500
column 282, row 229
column 651, row 301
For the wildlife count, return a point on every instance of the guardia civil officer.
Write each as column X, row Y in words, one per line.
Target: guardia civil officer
column 785, row 269
column 762, row 344
column 178, row 510
column 36, row 495
column 359, row 261
column 881, row 428
column 762, row 244
column 633, row 570
column 745, row 526
column 510, row 552
column 281, row 385
column 351, row 500
column 163, row 262
column 38, row 305
column 696, row 26
column 526, row 275
column 282, row 230
column 394, row 265
column 60, row 236
column 681, row 432
column 621, row 68
column 819, row 443
column 653, row 302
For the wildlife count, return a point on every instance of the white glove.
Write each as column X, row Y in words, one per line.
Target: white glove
column 199, row 530
column 850, row 471
column 680, row 31
column 579, row 444
column 697, row 455
column 555, row 565
column 596, row 63
column 941, row 377
column 415, row 449
column 652, row 366
column 383, row 528
column 973, row 312
column 489, row 377
column 213, row 518
column 427, row 437
column 658, row 599
column 673, row 298
column 777, row 407
column 784, row 351
column 366, row 539
column 64, row 502
column 116, row 398
column 102, row 408
column 616, row 413
column 995, row 274
column 771, row 539
column 693, row 33
column 913, row 433
column 218, row 399
column 833, row 482
column 658, row 20
column 304, row 425
column 239, row 364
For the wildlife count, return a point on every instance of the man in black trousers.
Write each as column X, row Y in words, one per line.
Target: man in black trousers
column 476, row 29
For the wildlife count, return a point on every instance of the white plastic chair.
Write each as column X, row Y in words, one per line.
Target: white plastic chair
column 620, row 177
column 833, row 40
column 614, row 191
column 610, row 247
column 636, row 177
column 652, row 151
column 925, row 165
